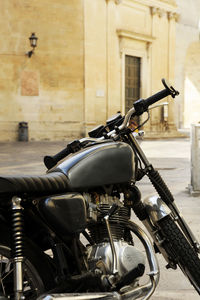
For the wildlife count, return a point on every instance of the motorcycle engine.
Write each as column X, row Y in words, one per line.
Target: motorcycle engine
column 100, row 255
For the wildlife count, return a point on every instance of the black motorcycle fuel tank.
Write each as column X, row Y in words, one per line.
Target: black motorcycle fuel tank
column 100, row 164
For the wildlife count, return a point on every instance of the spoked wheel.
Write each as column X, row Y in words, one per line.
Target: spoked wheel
column 38, row 271
column 33, row 285
column 180, row 251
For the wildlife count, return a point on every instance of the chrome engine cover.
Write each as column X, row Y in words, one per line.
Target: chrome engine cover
column 128, row 257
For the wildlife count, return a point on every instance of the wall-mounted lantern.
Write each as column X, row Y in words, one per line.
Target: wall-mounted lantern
column 33, row 43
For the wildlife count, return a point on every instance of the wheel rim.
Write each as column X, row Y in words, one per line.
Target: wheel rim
column 32, row 283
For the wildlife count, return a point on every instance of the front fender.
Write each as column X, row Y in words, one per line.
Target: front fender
column 156, row 208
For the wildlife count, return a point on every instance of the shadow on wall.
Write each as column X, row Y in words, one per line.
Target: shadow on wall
column 192, row 85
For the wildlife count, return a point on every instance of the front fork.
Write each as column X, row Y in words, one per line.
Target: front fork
column 17, row 220
column 164, row 193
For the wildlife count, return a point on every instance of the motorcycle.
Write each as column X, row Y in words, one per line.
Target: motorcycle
column 69, row 234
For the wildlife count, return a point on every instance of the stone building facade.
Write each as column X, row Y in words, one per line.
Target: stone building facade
column 94, row 58
column 187, row 64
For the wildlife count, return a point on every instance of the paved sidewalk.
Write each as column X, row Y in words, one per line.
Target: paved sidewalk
column 170, row 157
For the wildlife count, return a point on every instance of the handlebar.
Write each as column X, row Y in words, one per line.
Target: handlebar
column 142, row 105
column 51, row 161
column 139, row 107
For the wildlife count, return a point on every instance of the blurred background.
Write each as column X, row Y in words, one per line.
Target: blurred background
column 66, row 66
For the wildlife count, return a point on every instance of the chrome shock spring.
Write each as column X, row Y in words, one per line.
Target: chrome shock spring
column 17, row 218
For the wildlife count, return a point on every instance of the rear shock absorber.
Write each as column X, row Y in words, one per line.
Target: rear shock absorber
column 18, row 246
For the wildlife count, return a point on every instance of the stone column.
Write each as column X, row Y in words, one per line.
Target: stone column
column 163, row 52
column 195, row 160
column 159, row 61
column 172, row 18
column 113, row 67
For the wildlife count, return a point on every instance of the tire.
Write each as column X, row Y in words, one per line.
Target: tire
column 180, row 251
column 38, row 274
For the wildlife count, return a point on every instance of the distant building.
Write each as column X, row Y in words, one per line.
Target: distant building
column 187, row 64
column 94, row 58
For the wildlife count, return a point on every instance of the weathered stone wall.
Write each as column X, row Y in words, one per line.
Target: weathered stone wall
column 75, row 79
column 45, row 90
column 114, row 29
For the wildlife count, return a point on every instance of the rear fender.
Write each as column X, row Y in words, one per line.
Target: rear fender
column 156, row 208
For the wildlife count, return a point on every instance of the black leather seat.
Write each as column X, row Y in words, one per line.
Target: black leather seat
column 50, row 183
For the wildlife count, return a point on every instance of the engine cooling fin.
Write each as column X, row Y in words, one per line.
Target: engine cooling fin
column 98, row 230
